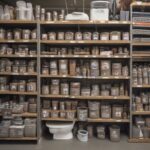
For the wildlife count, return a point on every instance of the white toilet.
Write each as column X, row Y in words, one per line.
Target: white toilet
column 61, row 131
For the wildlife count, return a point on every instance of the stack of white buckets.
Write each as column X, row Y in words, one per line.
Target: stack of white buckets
column 24, row 10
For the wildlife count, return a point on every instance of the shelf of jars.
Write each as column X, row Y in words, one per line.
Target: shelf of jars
column 105, row 42
column 119, row 98
column 25, row 114
column 18, row 96
column 141, row 112
column 91, row 22
column 86, row 56
column 87, row 77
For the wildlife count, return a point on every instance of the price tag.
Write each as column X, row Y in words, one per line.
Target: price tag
column 86, row 56
column 72, row 42
column 118, row 120
column 94, row 56
column 115, row 97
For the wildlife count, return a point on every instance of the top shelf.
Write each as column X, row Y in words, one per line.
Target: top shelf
column 139, row 4
column 18, row 22
column 90, row 22
column 79, row 22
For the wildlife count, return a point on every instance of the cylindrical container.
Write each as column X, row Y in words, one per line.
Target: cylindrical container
column 95, row 36
column 78, row 36
column 101, row 132
column 45, row 69
column 42, row 14
column 75, row 88
column 61, row 35
column 114, row 133
column 72, row 67
column 17, row 34
column 26, row 34
column 52, row 36
column 115, row 35
column 95, row 90
column 9, row 35
column 22, row 86
column 13, row 86
column 55, row 16
column 94, row 110
column 68, row 105
column 125, row 71
column 70, row 115
column 146, row 132
column 53, row 67
column 104, row 36
column 115, row 90
column 85, row 91
column 31, row 86
column 95, row 50
column 69, row 36
column 117, row 112
column 82, row 135
column 87, row 36
column 54, row 114
column 32, row 108
column 82, row 113
column 74, row 105
column 116, row 69
column 45, row 89
column 2, row 34
column 63, row 67
column 45, row 113
column 54, row 105
column 125, row 36
column 62, row 105
column 46, row 104
column 55, row 87
column 105, row 111
column 34, row 34
column 48, row 16
column 94, row 68
column 64, row 88
column 105, row 68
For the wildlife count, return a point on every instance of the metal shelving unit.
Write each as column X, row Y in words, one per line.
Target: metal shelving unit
column 138, row 58
column 115, row 99
column 21, row 24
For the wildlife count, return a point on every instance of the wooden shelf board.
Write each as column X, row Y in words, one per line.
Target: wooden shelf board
column 84, row 42
column 140, row 86
column 141, row 113
column 19, row 74
column 19, row 56
column 140, row 140
column 83, row 56
column 18, row 22
column 18, row 41
column 141, row 43
column 89, row 97
column 18, row 93
column 19, row 139
column 26, row 114
column 59, row 110
column 84, row 77
column 139, row 4
column 57, row 119
column 109, row 120
column 90, row 22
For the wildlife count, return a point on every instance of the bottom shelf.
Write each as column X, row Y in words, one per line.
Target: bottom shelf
column 140, row 140
column 19, row 139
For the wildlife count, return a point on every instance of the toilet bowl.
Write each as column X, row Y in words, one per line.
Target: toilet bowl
column 61, row 131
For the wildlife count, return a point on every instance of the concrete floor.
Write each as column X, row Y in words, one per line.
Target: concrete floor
column 92, row 144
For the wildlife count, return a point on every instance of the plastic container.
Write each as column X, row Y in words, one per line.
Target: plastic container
column 82, row 113
column 114, row 133
column 82, row 135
